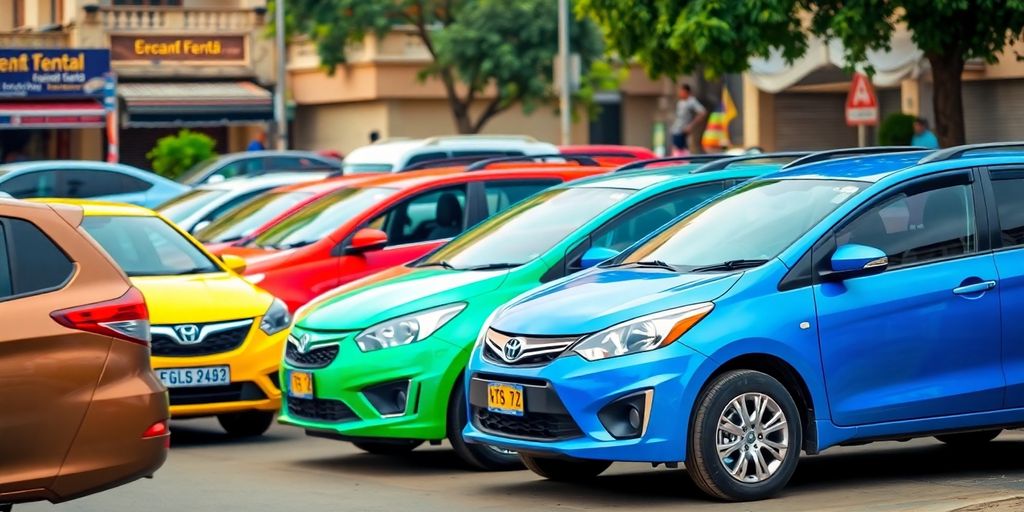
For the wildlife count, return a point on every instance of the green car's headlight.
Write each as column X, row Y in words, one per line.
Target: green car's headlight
column 276, row 319
column 407, row 329
column 642, row 334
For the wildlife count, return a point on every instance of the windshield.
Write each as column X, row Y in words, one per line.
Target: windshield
column 749, row 225
column 246, row 218
column 320, row 218
column 148, row 246
column 197, row 171
column 527, row 230
column 179, row 208
column 366, row 168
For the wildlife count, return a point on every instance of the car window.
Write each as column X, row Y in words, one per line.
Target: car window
column 131, row 184
column 244, row 219
column 31, row 184
column 434, row 215
column 181, row 207
column 230, row 204
column 320, row 218
column 86, row 183
column 147, row 246
column 1010, row 205
column 243, row 167
column 642, row 220
column 426, row 157
column 502, row 194
column 36, row 263
column 5, row 267
column 918, row 226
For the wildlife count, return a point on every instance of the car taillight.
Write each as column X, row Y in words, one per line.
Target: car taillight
column 125, row 318
column 156, row 430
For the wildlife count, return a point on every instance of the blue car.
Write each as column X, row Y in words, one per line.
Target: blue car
column 80, row 179
column 839, row 302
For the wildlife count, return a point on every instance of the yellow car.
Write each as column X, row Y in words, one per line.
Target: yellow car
column 217, row 339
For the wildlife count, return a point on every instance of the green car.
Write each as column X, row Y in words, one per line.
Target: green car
column 379, row 362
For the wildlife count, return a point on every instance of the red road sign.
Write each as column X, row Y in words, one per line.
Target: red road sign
column 861, row 102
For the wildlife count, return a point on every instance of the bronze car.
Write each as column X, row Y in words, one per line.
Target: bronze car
column 82, row 411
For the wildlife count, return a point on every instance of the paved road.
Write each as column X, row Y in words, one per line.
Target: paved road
column 286, row 471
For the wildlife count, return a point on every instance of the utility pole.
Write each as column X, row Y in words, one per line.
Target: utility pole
column 280, row 114
column 564, row 104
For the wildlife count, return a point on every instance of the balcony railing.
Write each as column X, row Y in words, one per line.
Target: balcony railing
column 120, row 18
column 57, row 39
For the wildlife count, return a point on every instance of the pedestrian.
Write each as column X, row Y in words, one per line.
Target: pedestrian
column 923, row 136
column 374, row 136
column 258, row 143
column 689, row 114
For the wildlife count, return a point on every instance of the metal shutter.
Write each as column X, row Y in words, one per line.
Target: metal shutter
column 994, row 110
column 812, row 121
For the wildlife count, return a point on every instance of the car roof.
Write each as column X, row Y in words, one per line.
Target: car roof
column 36, row 165
column 265, row 180
column 393, row 151
column 101, row 208
column 868, row 168
column 670, row 176
column 272, row 152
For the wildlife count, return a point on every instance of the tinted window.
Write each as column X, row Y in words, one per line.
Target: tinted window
column 133, row 184
column 426, row 157
column 5, row 267
column 246, row 218
column 642, row 220
column 230, row 204
column 88, row 183
column 502, row 194
column 320, row 218
column 918, row 226
column 31, row 184
column 179, row 208
column 1010, row 203
column 528, row 229
column 431, row 216
column 147, row 246
column 36, row 263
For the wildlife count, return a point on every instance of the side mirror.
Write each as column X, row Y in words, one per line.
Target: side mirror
column 199, row 226
column 853, row 260
column 367, row 239
column 216, row 178
column 234, row 263
column 596, row 255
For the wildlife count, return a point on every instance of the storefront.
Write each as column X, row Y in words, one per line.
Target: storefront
column 52, row 103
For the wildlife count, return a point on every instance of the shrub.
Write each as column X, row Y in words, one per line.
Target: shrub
column 896, row 130
column 175, row 154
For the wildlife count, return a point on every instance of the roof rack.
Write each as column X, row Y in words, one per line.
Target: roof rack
column 696, row 159
column 447, row 162
column 959, row 151
column 581, row 159
column 441, row 139
column 723, row 163
column 832, row 154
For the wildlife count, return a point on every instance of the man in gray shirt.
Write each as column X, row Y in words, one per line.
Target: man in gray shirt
column 689, row 113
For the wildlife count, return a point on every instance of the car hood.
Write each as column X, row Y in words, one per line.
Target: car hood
column 259, row 260
column 201, row 298
column 601, row 298
column 393, row 293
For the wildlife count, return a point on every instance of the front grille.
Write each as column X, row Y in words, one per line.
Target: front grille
column 533, row 350
column 320, row 409
column 214, row 339
column 234, row 392
column 317, row 357
column 533, row 425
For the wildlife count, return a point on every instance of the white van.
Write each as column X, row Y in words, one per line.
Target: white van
column 394, row 155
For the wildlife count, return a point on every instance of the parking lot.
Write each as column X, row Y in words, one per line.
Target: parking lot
column 287, row 471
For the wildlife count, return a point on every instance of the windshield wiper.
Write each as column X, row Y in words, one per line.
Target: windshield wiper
column 293, row 245
column 647, row 264
column 729, row 265
column 443, row 264
column 493, row 266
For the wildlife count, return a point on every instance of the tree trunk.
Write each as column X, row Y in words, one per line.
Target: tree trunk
column 947, row 100
column 463, row 124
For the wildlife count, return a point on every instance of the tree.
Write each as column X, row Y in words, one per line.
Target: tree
column 175, row 154
column 477, row 45
column 949, row 32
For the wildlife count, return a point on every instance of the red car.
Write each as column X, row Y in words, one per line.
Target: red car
column 609, row 153
column 370, row 225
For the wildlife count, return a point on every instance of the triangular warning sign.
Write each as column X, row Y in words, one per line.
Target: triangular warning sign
column 861, row 102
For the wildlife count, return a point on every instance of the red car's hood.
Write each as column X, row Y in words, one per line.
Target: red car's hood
column 259, row 260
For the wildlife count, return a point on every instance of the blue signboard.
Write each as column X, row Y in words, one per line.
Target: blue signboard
column 53, row 72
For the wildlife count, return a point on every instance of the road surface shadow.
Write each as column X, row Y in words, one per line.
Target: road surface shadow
column 996, row 465
column 189, row 433
column 422, row 461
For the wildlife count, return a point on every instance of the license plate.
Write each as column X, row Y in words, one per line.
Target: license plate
column 300, row 384
column 195, row 377
column 505, row 398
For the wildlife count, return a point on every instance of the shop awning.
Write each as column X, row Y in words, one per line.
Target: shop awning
column 51, row 114
column 173, row 104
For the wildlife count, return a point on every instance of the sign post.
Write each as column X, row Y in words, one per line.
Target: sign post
column 861, row 106
column 110, row 106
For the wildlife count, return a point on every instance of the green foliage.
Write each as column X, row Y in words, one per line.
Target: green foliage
column 896, row 130
column 476, row 45
column 175, row 154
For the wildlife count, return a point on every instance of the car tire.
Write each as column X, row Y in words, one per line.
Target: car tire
column 390, row 447
column 246, row 424
column 969, row 439
column 761, row 469
column 479, row 456
column 565, row 470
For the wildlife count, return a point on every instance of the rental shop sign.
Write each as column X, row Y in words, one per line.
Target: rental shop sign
column 26, row 73
column 182, row 49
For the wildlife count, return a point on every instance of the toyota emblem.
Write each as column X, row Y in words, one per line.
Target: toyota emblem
column 188, row 334
column 513, row 349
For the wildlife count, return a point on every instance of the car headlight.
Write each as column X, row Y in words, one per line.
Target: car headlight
column 276, row 319
column 407, row 329
column 642, row 334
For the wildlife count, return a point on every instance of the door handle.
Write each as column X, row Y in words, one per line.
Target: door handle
column 972, row 289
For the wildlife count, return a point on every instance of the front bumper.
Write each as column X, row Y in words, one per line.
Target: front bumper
column 254, row 385
column 343, row 402
column 582, row 389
